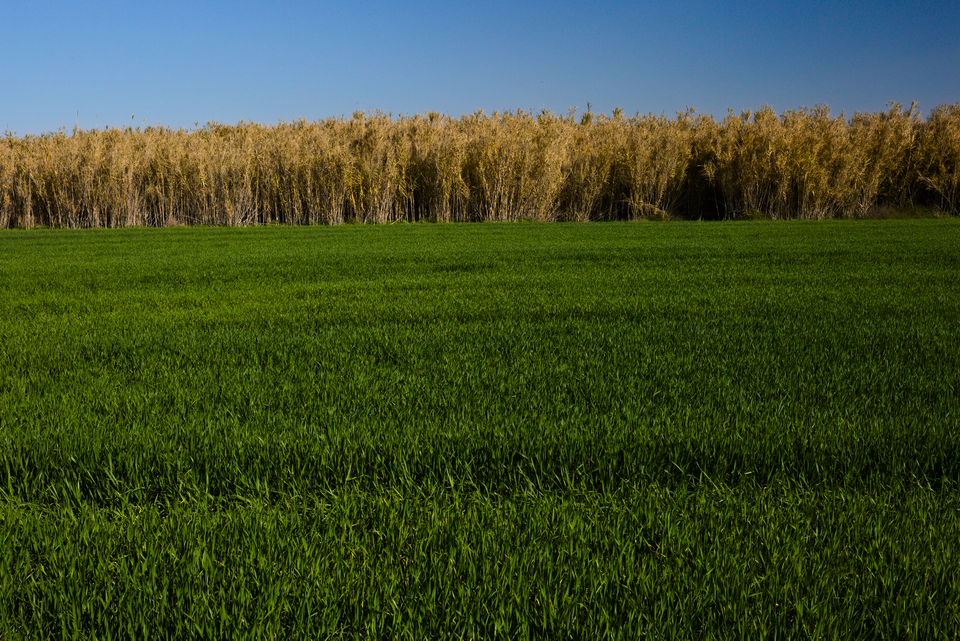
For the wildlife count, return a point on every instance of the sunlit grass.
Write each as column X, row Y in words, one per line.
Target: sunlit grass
column 586, row 431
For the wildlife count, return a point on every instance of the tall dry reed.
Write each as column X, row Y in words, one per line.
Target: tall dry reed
column 939, row 156
column 375, row 168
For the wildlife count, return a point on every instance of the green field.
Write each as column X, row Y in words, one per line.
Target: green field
column 585, row 431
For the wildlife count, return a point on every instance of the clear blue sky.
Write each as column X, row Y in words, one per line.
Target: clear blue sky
column 179, row 63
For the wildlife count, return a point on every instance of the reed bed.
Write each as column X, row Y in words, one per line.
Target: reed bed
column 374, row 168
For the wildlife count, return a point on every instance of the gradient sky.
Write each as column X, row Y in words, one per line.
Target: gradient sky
column 180, row 63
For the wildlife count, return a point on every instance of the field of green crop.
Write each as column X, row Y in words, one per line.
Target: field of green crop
column 583, row 431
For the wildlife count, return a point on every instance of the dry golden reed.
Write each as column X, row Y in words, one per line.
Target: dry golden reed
column 373, row 168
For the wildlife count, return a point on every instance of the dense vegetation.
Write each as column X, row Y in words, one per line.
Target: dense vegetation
column 746, row 430
column 373, row 168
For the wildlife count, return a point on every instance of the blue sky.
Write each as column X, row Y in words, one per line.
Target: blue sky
column 179, row 63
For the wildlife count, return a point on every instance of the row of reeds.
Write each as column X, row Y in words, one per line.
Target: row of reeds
column 507, row 166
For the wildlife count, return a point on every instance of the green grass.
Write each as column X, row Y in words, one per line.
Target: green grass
column 747, row 430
